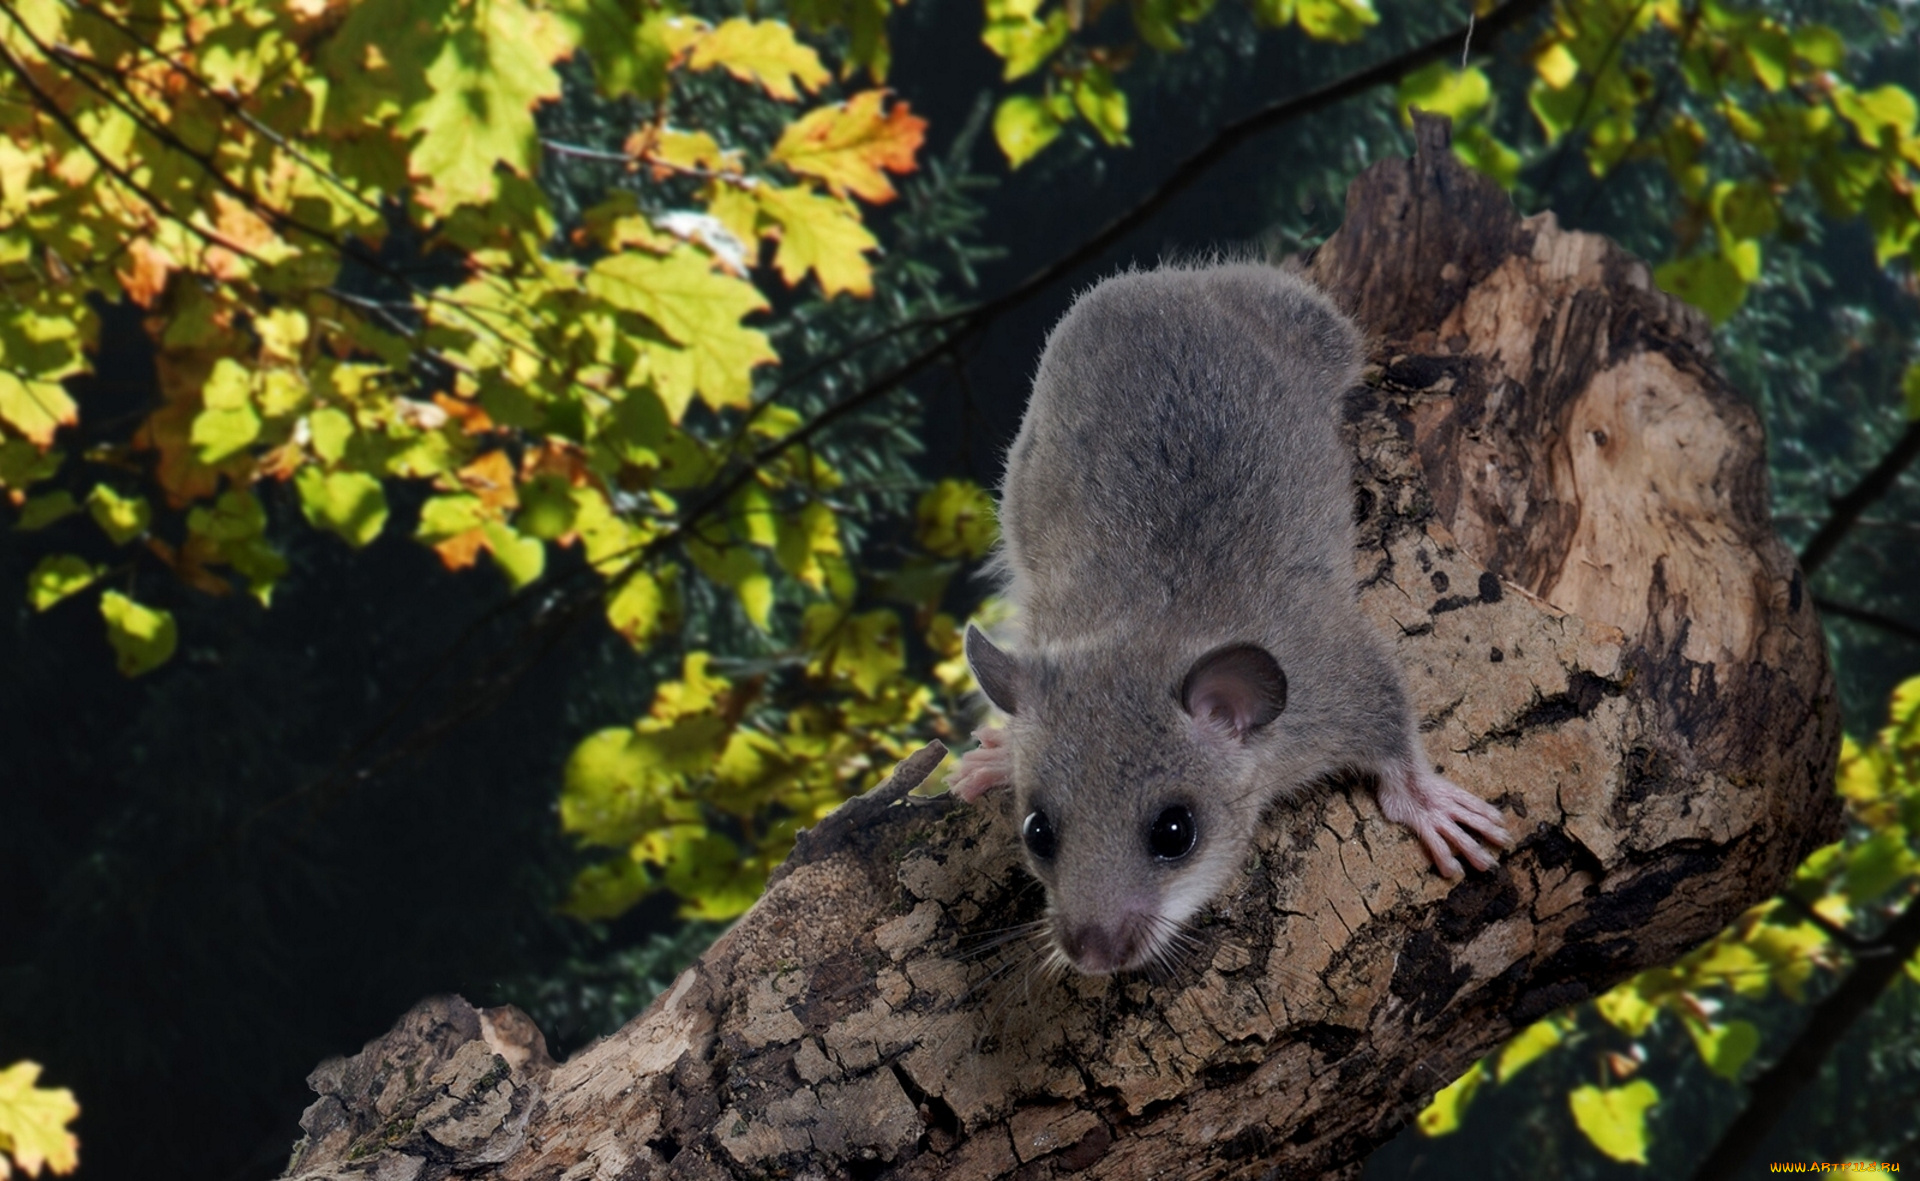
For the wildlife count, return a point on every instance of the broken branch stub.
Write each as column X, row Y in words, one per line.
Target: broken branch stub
column 1564, row 522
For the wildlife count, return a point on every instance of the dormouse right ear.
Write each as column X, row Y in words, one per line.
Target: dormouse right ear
column 999, row 674
column 1234, row 690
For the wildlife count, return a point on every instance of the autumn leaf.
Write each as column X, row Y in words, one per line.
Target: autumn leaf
column 143, row 638
column 484, row 81
column 852, row 146
column 33, row 1122
column 763, row 52
column 819, row 234
column 699, row 311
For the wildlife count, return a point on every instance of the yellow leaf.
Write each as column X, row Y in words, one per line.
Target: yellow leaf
column 819, row 234
column 849, row 145
column 143, row 638
column 1616, row 1119
column 698, row 310
column 763, row 52
column 35, row 408
column 1023, row 125
column 33, row 1122
column 1556, row 66
column 1449, row 1106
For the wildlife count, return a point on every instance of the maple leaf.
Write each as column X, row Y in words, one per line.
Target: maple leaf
column 33, row 1121
column 696, row 309
column 822, row 234
column 763, row 52
column 485, row 81
column 848, row 145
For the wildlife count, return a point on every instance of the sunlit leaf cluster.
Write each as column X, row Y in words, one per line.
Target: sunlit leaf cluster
column 1841, row 895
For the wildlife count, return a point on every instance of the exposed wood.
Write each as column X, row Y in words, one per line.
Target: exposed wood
column 1564, row 520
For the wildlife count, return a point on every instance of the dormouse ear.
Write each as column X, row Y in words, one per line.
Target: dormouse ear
column 999, row 674
column 1235, row 689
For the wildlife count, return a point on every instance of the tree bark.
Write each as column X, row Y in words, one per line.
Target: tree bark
column 1564, row 521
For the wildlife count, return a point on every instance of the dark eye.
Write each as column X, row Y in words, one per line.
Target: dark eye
column 1038, row 833
column 1172, row 834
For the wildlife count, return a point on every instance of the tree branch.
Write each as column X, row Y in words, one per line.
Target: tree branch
column 1885, row 623
column 1847, row 509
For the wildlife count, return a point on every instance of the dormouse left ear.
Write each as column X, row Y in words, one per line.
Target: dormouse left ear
column 1234, row 690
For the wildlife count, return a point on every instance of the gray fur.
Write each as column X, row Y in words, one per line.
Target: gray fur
column 1179, row 483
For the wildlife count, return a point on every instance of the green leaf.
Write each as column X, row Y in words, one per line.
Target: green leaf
column 956, row 520
column 22, row 464
column 521, row 559
column 40, row 511
column 1533, row 1041
column 1745, row 210
column 1876, row 864
column 546, row 507
column 698, row 310
column 143, row 638
column 1018, row 36
column 1625, row 1008
column 864, row 649
column 351, row 504
column 1341, row 21
column 1910, row 386
column 122, row 518
column 614, row 788
column 34, row 407
column 635, row 607
column 56, row 577
column 1820, row 46
column 330, row 429
column 487, row 75
column 609, row 889
column 1725, row 1048
column 1707, row 281
column 1102, row 104
column 1440, row 89
column 1443, row 1114
column 1615, row 1119
column 1882, row 116
column 742, row 571
column 442, row 517
column 1023, row 125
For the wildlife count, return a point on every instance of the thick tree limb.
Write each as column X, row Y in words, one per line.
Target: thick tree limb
column 1564, row 519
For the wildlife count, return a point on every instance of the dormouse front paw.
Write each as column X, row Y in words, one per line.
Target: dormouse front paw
column 1447, row 818
column 983, row 768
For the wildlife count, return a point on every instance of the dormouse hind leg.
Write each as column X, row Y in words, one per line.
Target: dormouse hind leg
column 983, row 768
column 1447, row 818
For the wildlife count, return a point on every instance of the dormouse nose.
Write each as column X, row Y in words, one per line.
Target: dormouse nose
column 1098, row 948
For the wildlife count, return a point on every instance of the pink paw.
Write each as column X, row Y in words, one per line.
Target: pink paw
column 983, row 768
column 1447, row 818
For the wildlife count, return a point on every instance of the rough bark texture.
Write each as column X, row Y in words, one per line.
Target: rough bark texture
column 1564, row 519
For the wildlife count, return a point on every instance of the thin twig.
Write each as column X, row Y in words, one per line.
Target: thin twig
column 1872, row 486
column 1885, row 623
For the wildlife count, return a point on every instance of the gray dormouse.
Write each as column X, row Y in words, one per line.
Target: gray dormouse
column 1177, row 540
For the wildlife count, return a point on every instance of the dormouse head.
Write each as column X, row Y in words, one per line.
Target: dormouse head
column 1135, row 783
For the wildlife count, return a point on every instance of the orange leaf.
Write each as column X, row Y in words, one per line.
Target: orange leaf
column 461, row 550
column 491, row 479
column 145, row 275
column 848, row 145
column 472, row 419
